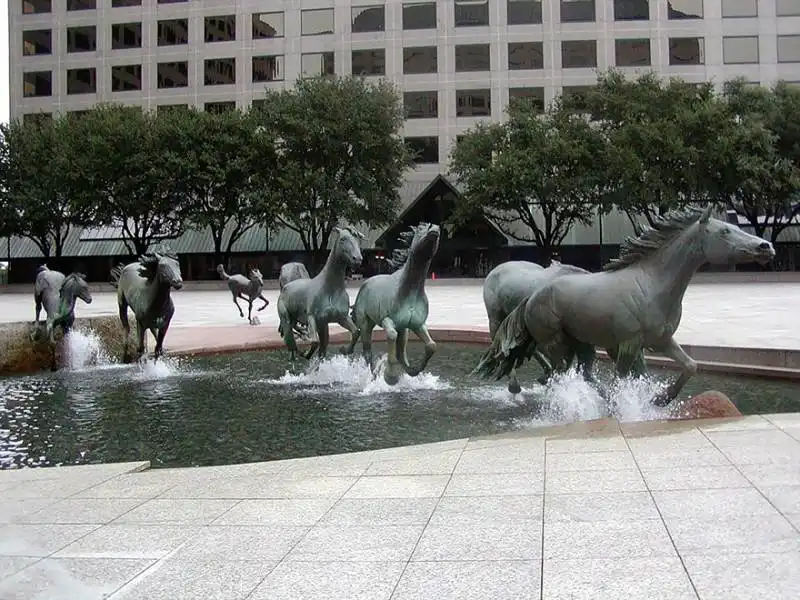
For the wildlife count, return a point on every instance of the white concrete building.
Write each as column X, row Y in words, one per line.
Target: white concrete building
column 457, row 61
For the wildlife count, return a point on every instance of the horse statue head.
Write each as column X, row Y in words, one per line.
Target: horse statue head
column 347, row 246
column 75, row 286
column 694, row 232
column 254, row 273
column 421, row 244
column 161, row 264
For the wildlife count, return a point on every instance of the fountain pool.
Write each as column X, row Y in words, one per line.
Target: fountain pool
column 247, row 407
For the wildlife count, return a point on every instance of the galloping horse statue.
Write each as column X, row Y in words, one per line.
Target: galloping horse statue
column 58, row 294
column 321, row 300
column 398, row 303
column 244, row 288
column 632, row 305
column 289, row 272
column 145, row 287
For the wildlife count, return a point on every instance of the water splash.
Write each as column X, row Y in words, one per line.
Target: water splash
column 84, row 349
column 354, row 375
column 162, row 368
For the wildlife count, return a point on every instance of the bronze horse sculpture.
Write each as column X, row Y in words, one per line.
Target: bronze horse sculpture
column 244, row 288
column 289, row 272
column 145, row 286
column 398, row 303
column 634, row 304
column 321, row 300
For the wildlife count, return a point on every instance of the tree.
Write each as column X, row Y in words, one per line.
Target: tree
column 8, row 213
column 138, row 172
column 330, row 152
column 757, row 158
column 44, row 181
column 543, row 170
column 219, row 152
column 658, row 131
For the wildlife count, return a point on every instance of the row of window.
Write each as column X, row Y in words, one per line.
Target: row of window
column 475, row 13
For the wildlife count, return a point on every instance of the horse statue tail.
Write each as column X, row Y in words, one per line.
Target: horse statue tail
column 116, row 273
column 510, row 346
column 222, row 273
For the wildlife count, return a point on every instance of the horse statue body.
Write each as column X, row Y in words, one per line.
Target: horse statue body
column 145, row 286
column 247, row 289
column 634, row 304
column 57, row 294
column 398, row 303
column 290, row 272
column 321, row 300
column 506, row 286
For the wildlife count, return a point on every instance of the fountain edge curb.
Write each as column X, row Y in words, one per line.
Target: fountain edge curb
column 753, row 362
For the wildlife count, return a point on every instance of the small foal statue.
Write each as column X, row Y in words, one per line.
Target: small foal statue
column 246, row 289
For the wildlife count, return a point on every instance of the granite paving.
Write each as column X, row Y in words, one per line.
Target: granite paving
column 742, row 314
column 706, row 509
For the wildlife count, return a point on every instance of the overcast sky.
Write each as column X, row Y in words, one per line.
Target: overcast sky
column 4, row 100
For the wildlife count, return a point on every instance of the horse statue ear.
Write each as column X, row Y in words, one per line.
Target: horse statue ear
column 706, row 214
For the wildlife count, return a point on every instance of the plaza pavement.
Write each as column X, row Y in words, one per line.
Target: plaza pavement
column 752, row 314
column 598, row 510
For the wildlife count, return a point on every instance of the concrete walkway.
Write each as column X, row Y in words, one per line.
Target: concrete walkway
column 598, row 510
column 754, row 315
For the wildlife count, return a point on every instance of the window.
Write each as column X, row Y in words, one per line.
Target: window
column 425, row 150
column 471, row 13
column 268, row 68
column 524, row 12
column 126, row 35
column 258, row 104
column 316, row 22
column 37, row 83
column 81, row 4
column 38, row 117
column 37, row 42
column 578, row 54
column 474, row 103
column 419, row 15
column 631, row 10
column 740, row 8
column 82, row 81
column 124, row 3
column 172, row 74
column 171, row 108
column 369, row 62
column 81, row 39
column 420, row 60
column 173, row 32
column 268, row 25
column 220, row 29
column 788, row 48
column 126, row 78
column 317, row 63
column 686, row 51
column 685, row 9
column 632, row 53
column 473, row 57
column 577, row 11
column 525, row 56
column 171, row 1
column 421, row 105
column 534, row 95
column 575, row 95
column 219, row 71
column 220, row 107
column 788, row 8
column 740, row 50
column 364, row 19
column 32, row 7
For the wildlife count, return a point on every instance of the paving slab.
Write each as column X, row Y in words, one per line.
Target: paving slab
column 704, row 509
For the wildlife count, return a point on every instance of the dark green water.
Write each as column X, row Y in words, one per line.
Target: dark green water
column 244, row 407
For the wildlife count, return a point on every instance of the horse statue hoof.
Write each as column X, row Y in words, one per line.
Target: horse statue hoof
column 514, row 387
column 391, row 378
column 661, row 400
column 255, row 321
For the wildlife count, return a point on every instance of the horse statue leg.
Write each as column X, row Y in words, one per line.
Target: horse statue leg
column 140, row 333
column 313, row 338
column 236, row 302
column 430, row 349
column 673, row 350
column 348, row 323
column 261, row 297
column 126, row 327
column 394, row 367
column 160, row 334
column 324, row 338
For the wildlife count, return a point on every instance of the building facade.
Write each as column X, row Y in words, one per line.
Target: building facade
column 456, row 61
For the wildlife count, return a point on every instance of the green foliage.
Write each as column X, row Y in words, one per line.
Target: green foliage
column 331, row 154
column 543, row 170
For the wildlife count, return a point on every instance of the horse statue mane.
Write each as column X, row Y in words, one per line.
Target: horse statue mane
column 400, row 255
column 352, row 231
column 70, row 281
column 149, row 261
column 42, row 268
column 663, row 230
